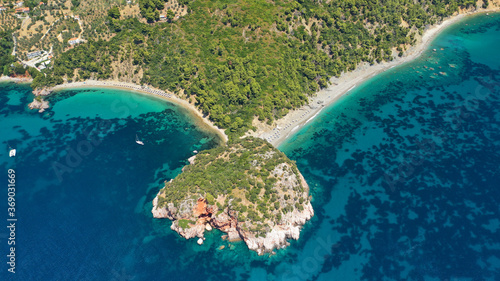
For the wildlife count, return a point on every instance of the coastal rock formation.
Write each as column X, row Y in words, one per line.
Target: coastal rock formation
column 42, row 91
column 264, row 202
column 39, row 104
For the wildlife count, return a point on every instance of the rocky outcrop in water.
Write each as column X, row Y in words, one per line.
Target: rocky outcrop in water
column 264, row 222
column 39, row 104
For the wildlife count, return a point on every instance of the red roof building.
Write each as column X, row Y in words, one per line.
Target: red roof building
column 23, row 10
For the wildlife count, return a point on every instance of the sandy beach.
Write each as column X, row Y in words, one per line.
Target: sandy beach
column 283, row 128
column 148, row 90
column 15, row 79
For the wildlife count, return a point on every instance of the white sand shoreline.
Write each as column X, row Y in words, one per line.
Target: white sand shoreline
column 282, row 129
column 148, row 90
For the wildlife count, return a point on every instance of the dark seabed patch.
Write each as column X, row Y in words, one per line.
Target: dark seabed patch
column 406, row 169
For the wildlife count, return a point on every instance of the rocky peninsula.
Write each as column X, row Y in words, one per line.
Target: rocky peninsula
column 248, row 189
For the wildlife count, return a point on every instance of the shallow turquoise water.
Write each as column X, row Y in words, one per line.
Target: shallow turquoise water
column 404, row 175
column 105, row 104
column 405, row 169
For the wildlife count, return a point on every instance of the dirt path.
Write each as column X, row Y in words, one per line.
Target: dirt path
column 15, row 44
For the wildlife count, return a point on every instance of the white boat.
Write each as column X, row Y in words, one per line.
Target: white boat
column 12, row 153
column 195, row 151
column 138, row 141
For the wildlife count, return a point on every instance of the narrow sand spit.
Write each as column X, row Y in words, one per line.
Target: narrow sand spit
column 295, row 119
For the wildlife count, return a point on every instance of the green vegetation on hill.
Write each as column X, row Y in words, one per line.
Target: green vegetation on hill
column 6, row 46
column 240, row 176
column 150, row 9
column 114, row 13
column 8, row 64
column 245, row 59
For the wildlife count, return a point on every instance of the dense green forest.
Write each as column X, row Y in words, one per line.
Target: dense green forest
column 245, row 59
column 150, row 9
column 6, row 46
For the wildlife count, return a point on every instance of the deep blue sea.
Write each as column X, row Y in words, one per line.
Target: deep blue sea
column 404, row 173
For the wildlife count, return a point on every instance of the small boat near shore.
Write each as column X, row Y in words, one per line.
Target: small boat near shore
column 12, row 153
column 138, row 141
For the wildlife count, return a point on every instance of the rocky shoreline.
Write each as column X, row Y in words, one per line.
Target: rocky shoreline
column 276, row 238
column 42, row 92
column 194, row 215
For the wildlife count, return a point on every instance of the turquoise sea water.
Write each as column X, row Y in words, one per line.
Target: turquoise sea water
column 405, row 170
column 404, row 173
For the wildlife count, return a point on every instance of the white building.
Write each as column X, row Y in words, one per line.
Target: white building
column 74, row 41
column 33, row 54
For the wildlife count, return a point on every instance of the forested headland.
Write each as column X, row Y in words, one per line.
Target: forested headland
column 240, row 60
column 247, row 189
